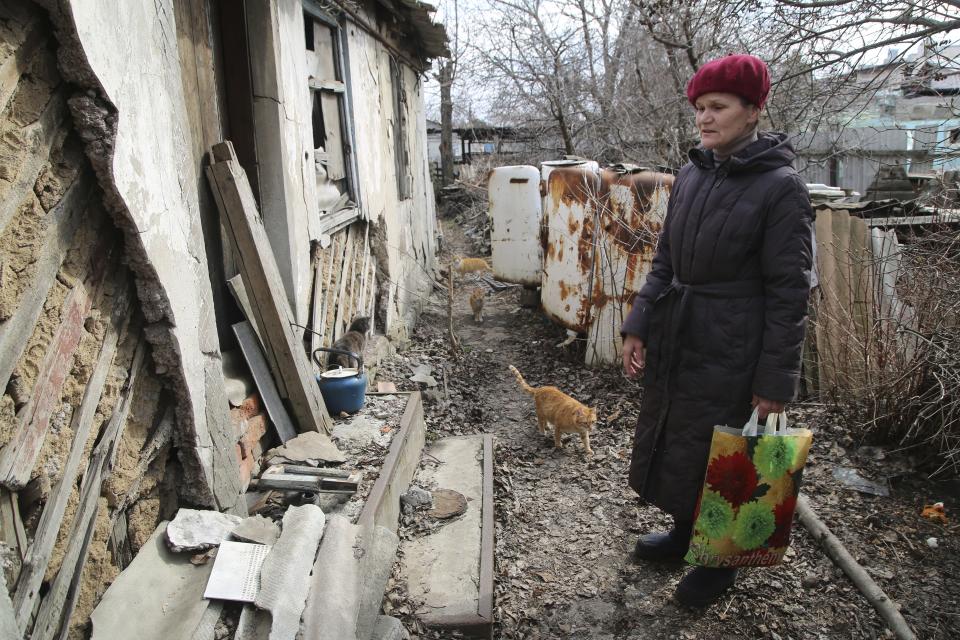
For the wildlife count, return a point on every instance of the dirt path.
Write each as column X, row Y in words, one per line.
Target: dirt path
column 566, row 523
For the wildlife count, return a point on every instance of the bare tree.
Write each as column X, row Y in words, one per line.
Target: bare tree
column 446, row 75
column 606, row 78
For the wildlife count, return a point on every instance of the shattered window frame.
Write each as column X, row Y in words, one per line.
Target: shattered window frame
column 341, row 88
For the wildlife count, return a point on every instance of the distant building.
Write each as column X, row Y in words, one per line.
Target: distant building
column 485, row 141
column 910, row 117
column 434, row 130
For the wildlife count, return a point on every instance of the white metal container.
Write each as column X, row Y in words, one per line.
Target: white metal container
column 515, row 212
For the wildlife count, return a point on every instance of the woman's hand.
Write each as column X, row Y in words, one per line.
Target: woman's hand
column 634, row 356
column 764, row 405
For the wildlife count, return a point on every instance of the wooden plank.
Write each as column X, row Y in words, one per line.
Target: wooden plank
column 333, row 295
column 119, row 544
column 487, row 532
column 316, row 308
column 330, row 104
column 861, row 304
column 250, row 347
column 336, row 249
column 382, row 507
column 333, row 86
column 312, row 482
column 282, row 347
column 160, row 438
column 943, row 218
column 339, row 324
column 360, row 309
column 331, row 223
column 20, row 454
column 12, row 532
column 58, row 604
column 352, row 297
column 64, row 220
column 305, row 470
column 306, row 486
column 373, row 290
column 338, row 484
column 239, row 292
column 40, row 137
column 826, row 270
column 27, row 589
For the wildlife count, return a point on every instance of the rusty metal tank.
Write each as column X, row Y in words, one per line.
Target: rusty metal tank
column 600, row 233
column 515, row 212
column 568, row 244
column 548, row 166
column 631, row 209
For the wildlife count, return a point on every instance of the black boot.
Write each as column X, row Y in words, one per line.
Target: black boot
column 702, row 586
column 668, row 546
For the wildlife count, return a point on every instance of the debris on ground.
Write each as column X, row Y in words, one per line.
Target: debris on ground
column 195, row 530
column 566, row 523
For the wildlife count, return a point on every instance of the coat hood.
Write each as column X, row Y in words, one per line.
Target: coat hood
column 770, row 151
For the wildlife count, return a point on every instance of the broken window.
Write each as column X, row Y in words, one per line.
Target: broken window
column 332, row 133
column 401, row 153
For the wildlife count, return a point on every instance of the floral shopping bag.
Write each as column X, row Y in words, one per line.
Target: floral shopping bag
column 749, row 494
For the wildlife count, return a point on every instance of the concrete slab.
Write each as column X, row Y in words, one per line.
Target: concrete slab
column 330, row 612
column 207, row 628
column 379, row 547
column 163, row 589
column 448, row 570
column 389, row 628
column 349, row 578
column 285, row 576
column 254, row 624
column 383, row 504
column 197, row 530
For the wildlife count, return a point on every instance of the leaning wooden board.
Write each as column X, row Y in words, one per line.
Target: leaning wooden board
column 284, row 353
column 33, row 421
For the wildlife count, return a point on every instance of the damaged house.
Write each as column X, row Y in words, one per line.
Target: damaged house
column 115, row 307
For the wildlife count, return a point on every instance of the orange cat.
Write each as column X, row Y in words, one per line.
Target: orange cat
column 560, row 410
column 469, row 265
column 476, row 303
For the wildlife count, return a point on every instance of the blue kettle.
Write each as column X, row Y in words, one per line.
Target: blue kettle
column 342, row 389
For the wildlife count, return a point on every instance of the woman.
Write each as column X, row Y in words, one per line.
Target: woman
column 718, row 326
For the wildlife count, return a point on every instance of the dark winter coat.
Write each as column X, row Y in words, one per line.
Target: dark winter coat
column 723, row 311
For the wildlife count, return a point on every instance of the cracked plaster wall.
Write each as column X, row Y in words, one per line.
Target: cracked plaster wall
column 134, row 123
column 284, row 137
column 410, row 225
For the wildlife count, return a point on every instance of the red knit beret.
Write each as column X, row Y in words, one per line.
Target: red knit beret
column 742, row 75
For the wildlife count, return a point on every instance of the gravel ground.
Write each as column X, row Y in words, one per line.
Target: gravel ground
column 566, row 523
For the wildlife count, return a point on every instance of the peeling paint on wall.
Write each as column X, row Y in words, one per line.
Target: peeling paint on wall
column 134, row 126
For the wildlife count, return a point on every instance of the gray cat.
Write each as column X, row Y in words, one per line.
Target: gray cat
column 355, row 340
